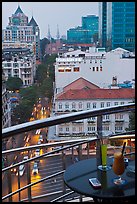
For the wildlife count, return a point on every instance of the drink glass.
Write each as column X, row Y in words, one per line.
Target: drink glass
column 104, row 166
column 118, row 168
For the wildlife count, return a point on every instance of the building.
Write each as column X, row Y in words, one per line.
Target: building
column 117, row 25
column 53, row 47
column 82, row 95
column 6, row 105
column 95, row 65
column 102, row 23
column 19, row 62
column 85, row 33
column 20, row 30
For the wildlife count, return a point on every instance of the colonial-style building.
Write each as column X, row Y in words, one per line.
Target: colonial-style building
column 83, row 95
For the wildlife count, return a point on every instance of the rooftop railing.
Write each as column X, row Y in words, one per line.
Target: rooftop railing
column 65, row 148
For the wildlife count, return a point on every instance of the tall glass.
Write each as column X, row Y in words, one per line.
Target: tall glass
column 118, row 168
column 104, row 166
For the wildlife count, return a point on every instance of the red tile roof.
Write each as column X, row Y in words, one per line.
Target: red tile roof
column 79, row 84
column 85, row 93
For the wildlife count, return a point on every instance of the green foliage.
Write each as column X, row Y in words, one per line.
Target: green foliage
column 14, row 83
column 23, row 111
column 41, row 73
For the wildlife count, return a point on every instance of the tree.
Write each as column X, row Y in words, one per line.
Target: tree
column 13, row 83
column 22, row 112
column 43, row 44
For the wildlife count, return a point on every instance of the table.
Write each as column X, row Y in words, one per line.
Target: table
column 76, row 177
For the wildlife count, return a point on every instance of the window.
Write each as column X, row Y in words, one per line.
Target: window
column 60, row 129
column 60, row 105
column 108, row 104
column 100, row 68
column 73, row 105
column 121, row 116
column 68, row 69
column 102, row 104
column 67, row 106
column 115, row 103
column 94, row 105
column 107, row 117
column 76, row 69
column 80, row 105
column 93, row 69
column 61, row 70
column 105, row 128
column 80, row 129
column 117, row 128
column 67, row 129
column 88, row 105
column 74, row 129
column 91, row 129
column 122, row 103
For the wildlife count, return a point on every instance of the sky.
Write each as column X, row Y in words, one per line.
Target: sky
column 64, row 14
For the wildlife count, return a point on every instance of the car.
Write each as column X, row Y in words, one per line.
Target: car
column 41, row 138
column 25, row 157
column 13, row 169
column 35, row 168
column 37, row 152
column 39, row 142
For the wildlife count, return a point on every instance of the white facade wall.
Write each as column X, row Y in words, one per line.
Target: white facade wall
column 114, row 122
column 94, row 67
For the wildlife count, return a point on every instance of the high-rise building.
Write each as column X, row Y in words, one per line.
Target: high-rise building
column 20, row 30
column 85, row 33
column 102, row 23
column 117, row 24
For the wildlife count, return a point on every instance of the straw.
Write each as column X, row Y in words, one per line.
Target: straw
column 123, row 148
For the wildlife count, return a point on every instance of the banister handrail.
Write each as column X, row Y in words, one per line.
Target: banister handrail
column 55, row 120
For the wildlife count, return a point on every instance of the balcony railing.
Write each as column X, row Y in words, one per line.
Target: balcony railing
column 70, row 147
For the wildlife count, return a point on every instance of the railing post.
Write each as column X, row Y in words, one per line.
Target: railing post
column 64, row 167
column 80, row 152
column 9, row 180
column 19, row 184
column 29, row 178
column 99, row 136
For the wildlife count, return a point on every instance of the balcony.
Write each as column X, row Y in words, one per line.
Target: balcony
column 28, row 189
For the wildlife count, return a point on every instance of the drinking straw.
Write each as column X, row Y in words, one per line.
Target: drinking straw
column 123, row 148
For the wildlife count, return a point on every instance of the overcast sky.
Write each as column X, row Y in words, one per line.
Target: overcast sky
column 66, row 14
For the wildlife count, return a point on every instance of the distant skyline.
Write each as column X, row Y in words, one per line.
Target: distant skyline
column 64, row 14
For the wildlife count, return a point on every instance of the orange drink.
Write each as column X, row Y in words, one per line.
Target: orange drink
column 118, row 168
column 118, row 164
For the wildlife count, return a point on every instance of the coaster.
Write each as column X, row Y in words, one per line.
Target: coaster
column 100, row 167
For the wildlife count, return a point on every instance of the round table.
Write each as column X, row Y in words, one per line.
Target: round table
column 76, row 177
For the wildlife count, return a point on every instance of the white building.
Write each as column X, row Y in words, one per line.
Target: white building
column 19, row 62
column 96, row 66
column 83, row 95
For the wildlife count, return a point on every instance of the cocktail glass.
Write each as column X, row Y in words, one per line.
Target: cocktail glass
column 104, row 143
column 118, row 168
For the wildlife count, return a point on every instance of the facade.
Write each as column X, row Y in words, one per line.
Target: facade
column 94, row 65
column 89, row 96
column 20, row 30
column 102, row 23
column 117, row 24
column 84, row 34
column 53, row 47
column 19, row 62
column 6, row 105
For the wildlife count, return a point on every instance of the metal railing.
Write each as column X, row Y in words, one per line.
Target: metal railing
column 15, row 130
